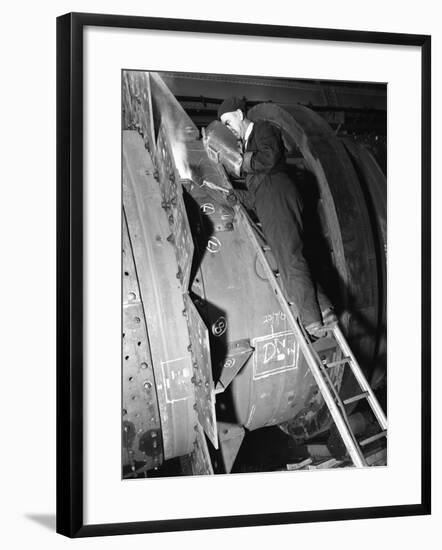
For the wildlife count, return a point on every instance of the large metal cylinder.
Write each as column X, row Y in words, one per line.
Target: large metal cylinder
column 222, row 319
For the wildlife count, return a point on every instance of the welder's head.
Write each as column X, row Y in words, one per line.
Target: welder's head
column 231, row 112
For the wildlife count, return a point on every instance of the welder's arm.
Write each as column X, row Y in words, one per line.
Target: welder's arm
column 269, row 154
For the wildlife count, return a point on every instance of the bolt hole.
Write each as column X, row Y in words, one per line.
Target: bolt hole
column 127, row 357
column 131, row 378
column 126, row 273
column 138, row 343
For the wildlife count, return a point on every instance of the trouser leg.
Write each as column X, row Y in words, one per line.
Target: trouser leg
column 279, row 209
column 323, row 299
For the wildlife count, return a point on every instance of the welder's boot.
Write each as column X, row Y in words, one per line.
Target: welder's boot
column 329, row 317
column 315, row 330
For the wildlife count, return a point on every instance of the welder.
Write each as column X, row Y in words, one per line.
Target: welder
column 278, row 205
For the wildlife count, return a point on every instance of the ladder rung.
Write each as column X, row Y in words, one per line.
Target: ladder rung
column 266, row 247
column 355, row 398
column 336, row 363
column 276, row 273
column 373, row 438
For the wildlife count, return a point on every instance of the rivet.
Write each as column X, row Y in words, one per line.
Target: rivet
column 144, row 365
column 147, row 385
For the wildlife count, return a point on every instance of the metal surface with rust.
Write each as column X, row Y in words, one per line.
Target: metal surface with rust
column 161, row 293
column 137, row 106
column 141, row 435
column 181, row 240
column 172, row 202
column 201, row 462
column 202, row 371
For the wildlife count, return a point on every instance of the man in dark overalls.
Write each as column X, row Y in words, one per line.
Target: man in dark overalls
column 278, row 205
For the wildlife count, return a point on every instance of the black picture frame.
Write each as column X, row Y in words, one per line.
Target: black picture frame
column 70, row 236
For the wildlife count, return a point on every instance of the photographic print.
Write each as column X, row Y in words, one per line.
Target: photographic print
column 223, row 298
column 254, row 274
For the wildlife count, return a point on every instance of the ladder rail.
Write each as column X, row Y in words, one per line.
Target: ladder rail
column 360, row 378
column 339, row 402
column 309, row 353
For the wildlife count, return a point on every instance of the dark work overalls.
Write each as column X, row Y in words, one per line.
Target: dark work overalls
column 278, row 205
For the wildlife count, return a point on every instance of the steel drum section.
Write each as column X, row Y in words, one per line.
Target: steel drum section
column 162, row 297
column 141, row 430
column 202, row 371
column 240, row 305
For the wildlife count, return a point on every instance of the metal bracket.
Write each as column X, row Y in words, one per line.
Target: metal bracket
column 238, row 353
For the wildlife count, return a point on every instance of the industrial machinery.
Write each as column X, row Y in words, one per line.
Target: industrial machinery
column 210, row 347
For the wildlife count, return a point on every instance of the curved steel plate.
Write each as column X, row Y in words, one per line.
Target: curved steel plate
column 202, row 371
column 141, row 435
column 161, row 295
